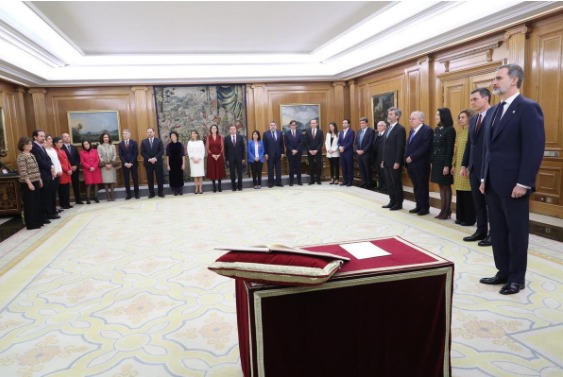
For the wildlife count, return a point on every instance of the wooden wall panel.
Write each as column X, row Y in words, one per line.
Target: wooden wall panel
column 12, row 103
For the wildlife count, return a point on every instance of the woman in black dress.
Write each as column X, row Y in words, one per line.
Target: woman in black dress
column 442, row 155
column 175, row 163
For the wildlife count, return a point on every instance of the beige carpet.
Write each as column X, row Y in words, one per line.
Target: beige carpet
column 122, row 288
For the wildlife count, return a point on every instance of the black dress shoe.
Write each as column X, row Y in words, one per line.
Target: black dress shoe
column 46, row 221
column 128, row 197
column 395, row 208
column 463, row 223
column 299, row 184
column 422, row 213
column 311, row 183
column 319, row 183
column 53, row 217
column 161, row 195
column 79, row 202
column 486, row 242
column 388, row 205
column 137, row 196
column 511, row 288
column 291, row 184
column 477, row 236
column 348, row 185
column 280, row 185
column 151, row 196
column 493, row 281
column 414, row 210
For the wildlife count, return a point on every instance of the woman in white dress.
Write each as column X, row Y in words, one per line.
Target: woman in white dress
column 196, row 153
column 332, row 153
column 108, row 156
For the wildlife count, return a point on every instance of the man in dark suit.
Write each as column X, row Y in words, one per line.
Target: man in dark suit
column 234, row 153
column 293, row 151
column 273, row 152
column 393, row 157
column 314, row 141
column 513, row 150
column 74, row 158
column 47, row 172
column 378, row 154
column 473, row 159
column 364, row 146
column 346, row 147
column 152, row 151
column 128, row 151
column 417, row 158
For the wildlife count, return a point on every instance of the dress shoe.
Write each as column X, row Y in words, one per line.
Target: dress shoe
column 463, row 223
column 79, row 202
column 151, row 196
column 46, row 221
column 280, row 185
column 457, row 221
column 511, row 288
column 87, row 202
column 343, row 184
column 493, row 281
column 161, row 195
column 414, row 210
column 486, row 242
column 291, row 183
column 395, row 208
column 388, row 205
column 348, row 185
column 128, row 197
column 423, row 212
column 477, row 236
column 299, row 184
column 319, row 183
column 96, row 200
column 53, row 217
column 137, row 196
column 234, row 189
column 311, row 183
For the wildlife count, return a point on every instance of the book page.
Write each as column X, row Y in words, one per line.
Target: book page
column 364, row 250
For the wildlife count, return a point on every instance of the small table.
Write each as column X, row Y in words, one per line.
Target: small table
column 382, row 316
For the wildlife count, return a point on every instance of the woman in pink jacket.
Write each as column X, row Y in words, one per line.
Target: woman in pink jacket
column 91, row 169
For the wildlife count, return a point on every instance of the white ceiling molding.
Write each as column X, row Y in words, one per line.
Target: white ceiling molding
column 34, row 51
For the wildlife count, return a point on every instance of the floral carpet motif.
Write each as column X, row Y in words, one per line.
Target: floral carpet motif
column 123, row 289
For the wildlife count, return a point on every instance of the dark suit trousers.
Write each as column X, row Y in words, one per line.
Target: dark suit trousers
column 32, row 205
column 394, row 185
column 134, row 174
column 479, row 202
column 380, row 175
column 364, row 163
column 76, row 186
column 151, row 171
column 419, row 176
column 236, row 164
column 510, row 233
column 347, row 168
column 64, row 195
column 315, row 166
column 45, row 198
column 274, row 164
column 294, row 162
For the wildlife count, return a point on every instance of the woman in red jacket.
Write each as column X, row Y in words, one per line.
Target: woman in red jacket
column 91, row 169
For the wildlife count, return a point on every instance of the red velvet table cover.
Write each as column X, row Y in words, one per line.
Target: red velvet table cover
column 383, row 316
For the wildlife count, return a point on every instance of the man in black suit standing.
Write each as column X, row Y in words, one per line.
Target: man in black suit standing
column 417, row 159
column 234, row 153
column 473, row 159
column 346, row 139
column 74, row 158
column 364, row 145
column 314, row 141
column 128, row 151
column 393, row 157
column 152, row 151
column 273, row 152
column 513, row 150
column 378, row 154
column 293, row 151
column 47, row 172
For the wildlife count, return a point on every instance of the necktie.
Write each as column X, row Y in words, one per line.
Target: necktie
column 150, row 140
column 275, row 136
column 126, row 143
column 411, row 136
column 388, row 132
column 498, row 114
column 234, row 140
column 362, row 137
column 478, row 125
column 68, row 148
column 293, row 133
column 314, row 132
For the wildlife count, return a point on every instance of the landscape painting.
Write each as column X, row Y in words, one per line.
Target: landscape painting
column 90, row 125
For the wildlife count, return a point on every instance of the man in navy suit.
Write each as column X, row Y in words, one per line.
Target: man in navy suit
column 393, row 159
column 74, row 158
column 293, row 151
column 513, row 150
column 152, row 151
column 273, row 152
column 364, row 146
column 47, row 172
column 346, row 148
column 128, row 151
column 234, row 154
column 314, row 140
column 473, row 159
column 417, row 158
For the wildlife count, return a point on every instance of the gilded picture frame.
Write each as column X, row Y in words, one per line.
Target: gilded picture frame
column 380, row 103
column 90, row 125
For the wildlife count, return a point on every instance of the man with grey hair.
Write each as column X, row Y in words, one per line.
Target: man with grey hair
column 393, row 159
column 128, row 151
column 513, row 150
column 417, row 159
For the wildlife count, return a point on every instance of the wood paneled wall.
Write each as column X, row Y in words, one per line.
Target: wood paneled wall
column 444, row 78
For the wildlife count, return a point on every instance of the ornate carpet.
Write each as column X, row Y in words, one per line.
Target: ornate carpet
column 122, row 288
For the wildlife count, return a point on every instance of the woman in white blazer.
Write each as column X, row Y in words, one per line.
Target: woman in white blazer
column 332, row 152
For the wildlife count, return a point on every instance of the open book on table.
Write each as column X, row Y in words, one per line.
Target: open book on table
column 281, row 249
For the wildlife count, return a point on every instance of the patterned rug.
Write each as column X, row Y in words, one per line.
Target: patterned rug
column 122, row 288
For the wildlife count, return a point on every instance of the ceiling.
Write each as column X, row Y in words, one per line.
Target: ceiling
column 63, row 43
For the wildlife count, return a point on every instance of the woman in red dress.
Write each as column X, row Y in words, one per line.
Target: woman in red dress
column 91, row 168
column 215, row 158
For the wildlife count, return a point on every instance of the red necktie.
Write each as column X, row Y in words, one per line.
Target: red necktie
column 478, row 124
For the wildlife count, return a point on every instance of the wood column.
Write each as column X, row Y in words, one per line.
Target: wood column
column 141, row 110
column 354, row 103
column 517, row 47
column 425, row 64
column 338, row 102
column 38, row 96
column 261, row 106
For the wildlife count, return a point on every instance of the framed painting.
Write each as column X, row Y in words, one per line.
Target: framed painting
column 3, row 142
column 380, row 103
column 90, row 125
column 302, row 114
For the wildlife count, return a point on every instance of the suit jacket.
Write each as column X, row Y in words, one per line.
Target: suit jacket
column 346, row 142
column 147, row 152
column 252, row 153
column 314, row 143
column 234, row 152
column 73, row 156
column 367, row 141
column 130, row 153
column 473, row 154
column 420, row 147
column 378, row 148
column 43, row 162
column 331, row 146
column 273, row 147
column 513, row 148
column 394, row 146
column 292, row 143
